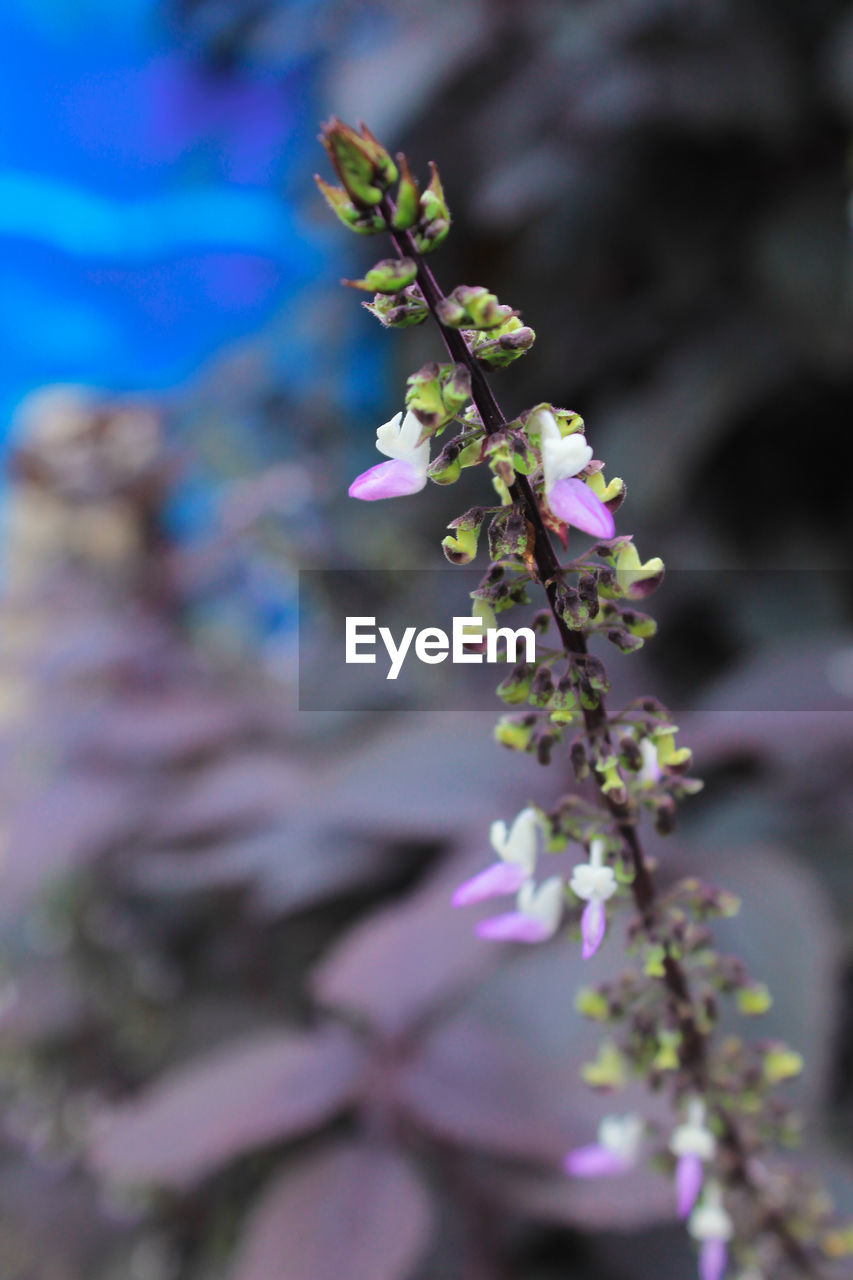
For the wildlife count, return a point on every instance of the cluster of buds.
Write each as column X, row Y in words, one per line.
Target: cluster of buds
column 662, row 1014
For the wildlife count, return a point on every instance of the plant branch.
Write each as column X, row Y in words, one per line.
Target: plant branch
column 693, row 1050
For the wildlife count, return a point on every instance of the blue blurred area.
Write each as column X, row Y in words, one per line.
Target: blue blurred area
column 142, row 221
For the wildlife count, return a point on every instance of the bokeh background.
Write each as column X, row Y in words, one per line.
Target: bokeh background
column 242, row 1036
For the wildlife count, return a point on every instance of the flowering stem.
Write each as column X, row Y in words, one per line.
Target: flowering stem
column 549, row 572
column 692, row 1049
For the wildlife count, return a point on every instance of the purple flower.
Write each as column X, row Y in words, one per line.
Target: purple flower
column 615, row 1152
column 539, row 909
column 576, row 504
column 692, row 1143
column 406, row 472
column 517, row 851
column 594, row 883
column 563, row 458
column 711, row 1225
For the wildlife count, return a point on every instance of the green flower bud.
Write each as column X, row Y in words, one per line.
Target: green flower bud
column 541, row 688
column 592, row 1004
column 499, row 455
column 633, row 578
column 754, row 1000
column 473, row 307
column 424, row 398
column 500, row 351
column 514, row 733
column 781, row 1063
column 608, row 1071
column 461, row 548
column 472, row 453
column 360, row 161
column 515, row 687
column 364, row 222
column 388, row 276
column 446, row 468
column 510, row 535
column 400, row 311
column 407, row 204
column 434, row 217
column 436, row 393
column 666, row 1058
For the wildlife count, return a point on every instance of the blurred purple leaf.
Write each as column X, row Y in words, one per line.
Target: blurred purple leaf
column 210, row 1110
column 401, row 963
column 274, row 861
column 55, row 830
column 628, row 1202
column 245, row 789
column 786, row 934
column 475, row 1087
column 353, row 1212
column 157, row 729
column 42, row 1002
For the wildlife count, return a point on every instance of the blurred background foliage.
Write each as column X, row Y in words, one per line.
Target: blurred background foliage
column 242, row 1035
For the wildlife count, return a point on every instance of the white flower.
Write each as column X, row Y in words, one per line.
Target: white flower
column 650, row 772
column 591, row 880
column 399, row 439
column 694, row 1138
column 709, row 1220
column 542, row 903
column 562, row 456
column 518, row 845
column 405, row 473
column 594, row 883
column 621, row 1136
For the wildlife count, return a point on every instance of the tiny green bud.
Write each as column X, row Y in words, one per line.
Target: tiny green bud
column 388, row 276
column 461, row 548
column 781, row 1063
column 360, row 161
column 446, row 468
column 634, row 578
column 754, row 1000
column 541, row 687
column 514, row 733
column 364, row 222
column 607, row 1072
column 509, row 535
column 434, row 221
column 592, row 1004
column 407, row 204
column 515, row 687
column 400, row 311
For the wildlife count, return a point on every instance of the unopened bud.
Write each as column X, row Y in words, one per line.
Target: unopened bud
column 362, row 164
column 389, row 276
column 407, row 204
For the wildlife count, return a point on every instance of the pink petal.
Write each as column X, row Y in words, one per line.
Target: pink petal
column 573, row 501
column 498, row 879
column 688, row 1183
column 712, row 1259
column 592, row 927
column 594, row 1162
column 512, row 927
column 392, row 479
